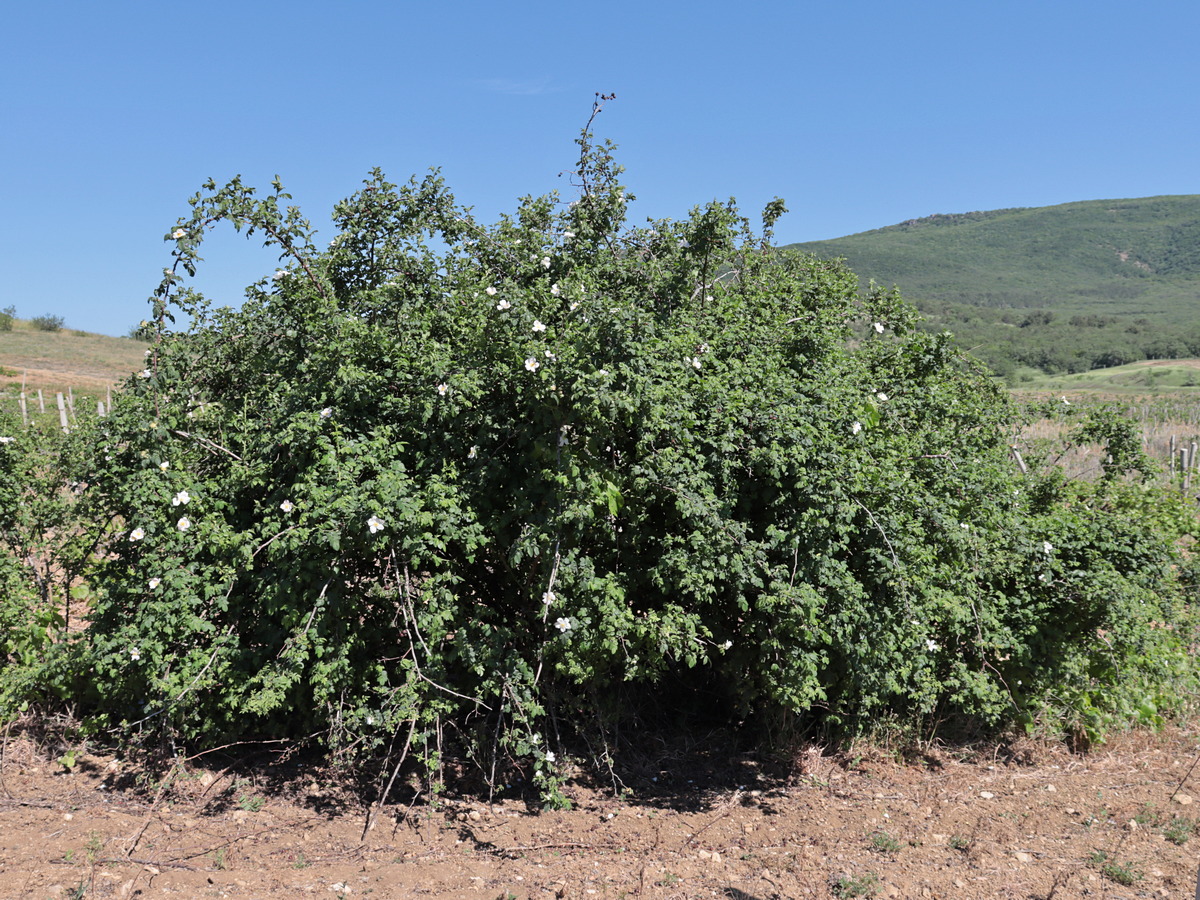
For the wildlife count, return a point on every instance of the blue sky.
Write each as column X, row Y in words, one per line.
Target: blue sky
column 858, row 113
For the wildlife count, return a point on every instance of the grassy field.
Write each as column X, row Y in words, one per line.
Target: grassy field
column 1154, row 376
column 53, row 361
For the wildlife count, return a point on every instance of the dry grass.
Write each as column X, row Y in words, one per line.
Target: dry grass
column 1167, row 422
column 87, row 364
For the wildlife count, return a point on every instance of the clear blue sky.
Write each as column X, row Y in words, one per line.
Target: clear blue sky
column 858, row 113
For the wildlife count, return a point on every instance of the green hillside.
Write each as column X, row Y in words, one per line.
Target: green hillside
column 1061, row 288
column 1105, row 257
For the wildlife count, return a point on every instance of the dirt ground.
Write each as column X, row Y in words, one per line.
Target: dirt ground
column 1010, row 822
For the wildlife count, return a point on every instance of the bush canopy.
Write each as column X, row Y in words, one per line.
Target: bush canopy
column 503, row 479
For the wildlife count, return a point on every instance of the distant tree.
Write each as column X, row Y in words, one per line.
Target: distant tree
column 1038, row 317
column 1115, row 356
column 1166, row 347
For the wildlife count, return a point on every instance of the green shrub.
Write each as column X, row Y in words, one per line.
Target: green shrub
column 47, row 323
column 447, row 474
column 44, row 549
column 7, row 316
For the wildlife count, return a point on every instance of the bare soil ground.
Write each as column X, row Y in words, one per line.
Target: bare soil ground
column 1011, row 822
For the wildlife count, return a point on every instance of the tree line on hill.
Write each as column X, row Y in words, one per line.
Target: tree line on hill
column 1058, row 343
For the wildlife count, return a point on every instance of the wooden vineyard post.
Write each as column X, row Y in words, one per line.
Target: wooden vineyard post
column 1020, row 462
column 41, row 402
column 24, row 410
column 62, row 412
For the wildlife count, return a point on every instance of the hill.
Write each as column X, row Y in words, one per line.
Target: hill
column 55, row 360
column 1061, row 288
column 1100, row 257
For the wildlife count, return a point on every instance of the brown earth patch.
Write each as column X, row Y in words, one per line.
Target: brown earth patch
column 1181, row 363
column 56, row 380
column 1034, row 822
